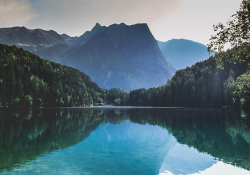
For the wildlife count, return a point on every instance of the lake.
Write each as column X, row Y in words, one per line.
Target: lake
column 124, row 141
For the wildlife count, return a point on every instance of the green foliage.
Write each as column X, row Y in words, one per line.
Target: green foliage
column 28, row 100
column 243, row 86
column 229, row 88
column 202, row 85
column 236, row 33
column 27, row 80
column 16, row 100
column 117, row 101
column 116, row 96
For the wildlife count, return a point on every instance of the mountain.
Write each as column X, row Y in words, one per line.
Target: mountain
column 83, row 38
column 22, row 35
column 182, row 53
column 116, row 56
column 47, row 44
column 121, row 56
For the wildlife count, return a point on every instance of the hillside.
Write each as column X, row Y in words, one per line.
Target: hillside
column 201, row 85
column 28, row 80
column 182, row 53
column 47, row 44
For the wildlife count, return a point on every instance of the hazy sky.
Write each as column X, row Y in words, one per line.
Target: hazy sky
column 167, row 19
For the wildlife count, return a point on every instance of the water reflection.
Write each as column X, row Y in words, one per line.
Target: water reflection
column 139, row 143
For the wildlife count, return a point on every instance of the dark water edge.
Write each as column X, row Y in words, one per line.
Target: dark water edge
column 26, row 135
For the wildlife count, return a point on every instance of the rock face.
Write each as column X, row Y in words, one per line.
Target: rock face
column 182, row 53
column 116, row 56
column 121, row 56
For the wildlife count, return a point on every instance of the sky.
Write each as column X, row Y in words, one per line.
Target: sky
column 167, row 19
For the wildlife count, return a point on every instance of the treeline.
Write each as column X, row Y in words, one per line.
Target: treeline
column 202, row 85
column 28, row 80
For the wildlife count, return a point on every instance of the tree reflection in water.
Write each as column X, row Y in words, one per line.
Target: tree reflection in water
column 24, row 135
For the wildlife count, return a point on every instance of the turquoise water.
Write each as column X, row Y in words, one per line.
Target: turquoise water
column 125, row 141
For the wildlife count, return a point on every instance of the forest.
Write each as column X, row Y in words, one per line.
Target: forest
column 27, row 80
column 202, row 85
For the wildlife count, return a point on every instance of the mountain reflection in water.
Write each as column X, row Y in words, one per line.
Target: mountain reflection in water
column 140, row 142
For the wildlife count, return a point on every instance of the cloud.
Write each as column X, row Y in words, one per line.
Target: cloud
column 15, row 13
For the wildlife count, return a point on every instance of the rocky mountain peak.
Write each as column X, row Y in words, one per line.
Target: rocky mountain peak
column 96, row 27
column 120, row 55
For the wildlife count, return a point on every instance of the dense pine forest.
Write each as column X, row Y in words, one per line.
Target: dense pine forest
column 28, row 80
column 202, row 85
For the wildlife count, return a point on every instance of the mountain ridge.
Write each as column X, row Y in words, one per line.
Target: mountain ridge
column 182, row 53
column 123, row 52
column 29, row 36
column 119, row 55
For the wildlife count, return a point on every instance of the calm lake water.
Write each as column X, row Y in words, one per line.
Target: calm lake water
column 124, row 141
